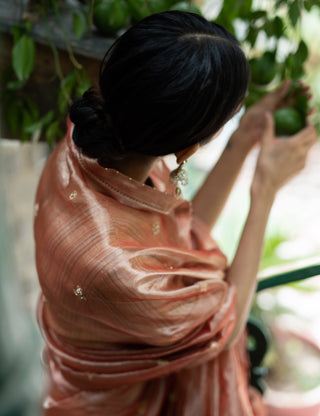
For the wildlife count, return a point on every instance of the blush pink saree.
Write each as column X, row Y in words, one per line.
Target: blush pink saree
column 135, row 311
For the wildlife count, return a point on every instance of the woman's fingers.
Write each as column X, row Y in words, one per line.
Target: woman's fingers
column 312, row 111
column 283, row 90
column 280, row 160
column 273, row 100
column 306, row 136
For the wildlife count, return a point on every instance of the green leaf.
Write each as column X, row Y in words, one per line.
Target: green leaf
column 293, row 69
column 85, row 84
column 78, row 25
column 308, row 4
column 16, row 32
column 229, row 6
column 289, row 62
column 62, row 101
column 226, row 23
column 294, row 62
column 26, row 119
column 53, row 133
column 257, row 14
column 245, row 9
column 252, row 35
column 23, row 57
column 41, row 123
column 67, row 85
column 32, row 107
column 302, row 52
column 268, row 28
column 15, row 85
column 294, row 12
column 87, row 15
column 28, row 26
column 227, row 15
column 278, row 27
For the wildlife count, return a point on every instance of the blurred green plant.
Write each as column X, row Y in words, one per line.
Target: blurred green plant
column 270, row 35
column 22, row 114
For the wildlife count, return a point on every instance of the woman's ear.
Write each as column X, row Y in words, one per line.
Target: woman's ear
column 184, row 154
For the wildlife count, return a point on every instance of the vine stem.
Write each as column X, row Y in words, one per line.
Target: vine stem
column 91, row 13
column 56, row 59
column 74, row 61
column 299, row 25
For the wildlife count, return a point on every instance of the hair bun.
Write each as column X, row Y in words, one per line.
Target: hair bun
column 93, row 131
column 81, row 114
column 88, row 109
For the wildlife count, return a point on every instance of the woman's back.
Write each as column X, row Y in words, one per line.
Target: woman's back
column 135, row 310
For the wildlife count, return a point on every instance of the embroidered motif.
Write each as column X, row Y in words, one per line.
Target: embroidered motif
column 79, row 293
column 73, row 195
column 203, row 286
column 156, row 228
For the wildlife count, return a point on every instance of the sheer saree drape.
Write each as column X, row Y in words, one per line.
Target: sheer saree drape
column 134, row 310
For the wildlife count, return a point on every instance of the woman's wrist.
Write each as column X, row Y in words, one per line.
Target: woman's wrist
column 238, row 141
column 263, row 191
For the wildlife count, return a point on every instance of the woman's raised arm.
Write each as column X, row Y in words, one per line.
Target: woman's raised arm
column 278, row 161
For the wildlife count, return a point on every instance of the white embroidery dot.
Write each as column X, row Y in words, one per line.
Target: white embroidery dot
column 73, row 195
column 79, row 293
column 156, row 228
column 203, row 286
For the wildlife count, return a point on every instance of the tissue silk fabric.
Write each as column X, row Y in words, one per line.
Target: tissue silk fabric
column 134, row 310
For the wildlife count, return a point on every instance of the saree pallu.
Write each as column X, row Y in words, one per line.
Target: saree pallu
column 135, row 309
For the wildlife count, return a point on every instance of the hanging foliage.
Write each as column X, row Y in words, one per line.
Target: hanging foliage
column 270, row 35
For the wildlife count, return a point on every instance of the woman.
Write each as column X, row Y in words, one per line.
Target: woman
column 140, row 312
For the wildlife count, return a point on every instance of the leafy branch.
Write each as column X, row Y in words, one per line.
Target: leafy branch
column 22, row 114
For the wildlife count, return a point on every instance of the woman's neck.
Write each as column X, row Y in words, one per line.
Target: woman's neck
column 136, row 166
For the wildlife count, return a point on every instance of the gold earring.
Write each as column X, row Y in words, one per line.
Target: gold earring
column 179, row 176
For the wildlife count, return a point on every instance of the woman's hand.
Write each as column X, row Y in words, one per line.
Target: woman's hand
column 252, row 124
column 280, row 160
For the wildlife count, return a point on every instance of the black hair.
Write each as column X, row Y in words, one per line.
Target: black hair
column 168, row 82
